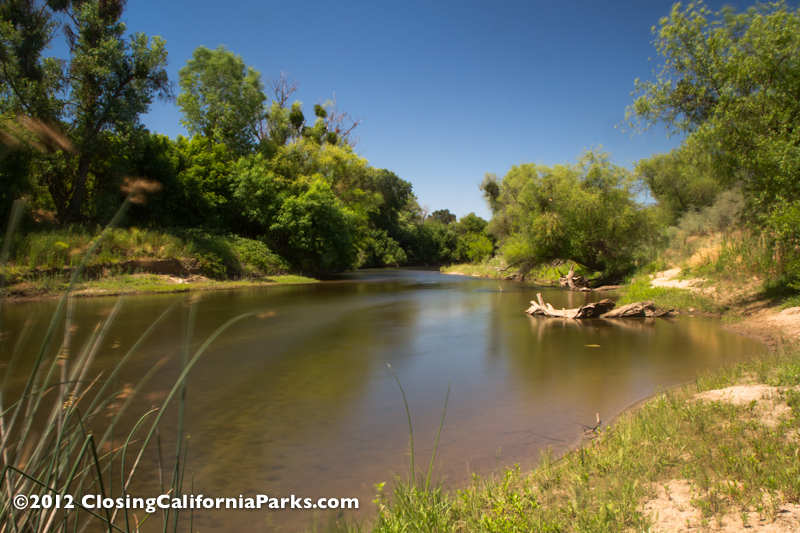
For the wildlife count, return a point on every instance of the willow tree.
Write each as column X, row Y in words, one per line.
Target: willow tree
column 585, row 213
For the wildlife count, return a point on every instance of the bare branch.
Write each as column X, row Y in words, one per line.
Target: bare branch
column 282, row 88
column 342, row 123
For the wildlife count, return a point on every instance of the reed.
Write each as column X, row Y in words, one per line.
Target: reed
column 52, row 434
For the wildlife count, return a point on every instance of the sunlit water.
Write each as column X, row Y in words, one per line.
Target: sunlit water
column 303, row 402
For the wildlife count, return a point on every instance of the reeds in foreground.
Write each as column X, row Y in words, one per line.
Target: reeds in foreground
column 54, row 445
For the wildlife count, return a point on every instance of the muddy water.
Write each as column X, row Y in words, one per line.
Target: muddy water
column 301, row 400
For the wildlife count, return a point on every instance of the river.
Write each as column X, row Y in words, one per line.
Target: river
column 301, row 401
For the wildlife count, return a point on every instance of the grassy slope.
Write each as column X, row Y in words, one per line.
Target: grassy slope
column 42, row 262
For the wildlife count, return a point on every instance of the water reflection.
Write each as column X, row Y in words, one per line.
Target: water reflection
column 301, row 402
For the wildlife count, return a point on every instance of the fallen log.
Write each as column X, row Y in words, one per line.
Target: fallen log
column 595, row 310
column 634, row 310
column 602, row 309
column 592, row 310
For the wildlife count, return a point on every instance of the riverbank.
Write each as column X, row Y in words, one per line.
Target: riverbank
column 138, row 283
column 716, row 455
column 134, row 261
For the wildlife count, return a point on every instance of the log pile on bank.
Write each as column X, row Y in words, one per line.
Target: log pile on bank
column 602, row 309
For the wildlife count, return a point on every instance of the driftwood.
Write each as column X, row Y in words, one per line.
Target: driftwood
column 592, row 310
column 573, row 282
column 601, row 309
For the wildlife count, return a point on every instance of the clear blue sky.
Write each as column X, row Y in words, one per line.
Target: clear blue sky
column 447, row 90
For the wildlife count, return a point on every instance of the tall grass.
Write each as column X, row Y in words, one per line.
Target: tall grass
column 739, row 255
column 54, row 443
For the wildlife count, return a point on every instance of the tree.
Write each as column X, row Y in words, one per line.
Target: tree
column 315, row 231
column 730, row 82
column 222, row 99
column 444, row 216
column 681, row 181
column 108, row 82
column 585, row 213
column 471, row 223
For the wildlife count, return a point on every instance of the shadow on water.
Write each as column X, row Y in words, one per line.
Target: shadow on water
column 301, row 402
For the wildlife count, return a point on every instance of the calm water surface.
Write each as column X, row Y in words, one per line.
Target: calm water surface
column 303, row 402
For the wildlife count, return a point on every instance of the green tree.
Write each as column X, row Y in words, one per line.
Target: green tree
column 315, row 231
column 258, row 190
column 95, row 98
column 222, row 99
column 585, row 213
column 730, row 81
column 444, row 216
column 471, row 223
column 681, row 181
column 397, row 196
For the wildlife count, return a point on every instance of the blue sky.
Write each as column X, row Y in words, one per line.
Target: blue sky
column 447, row 90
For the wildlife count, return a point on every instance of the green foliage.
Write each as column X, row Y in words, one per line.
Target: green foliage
column 584, row 213
column 432, row 243
column 255, row 259
column 680, row 181
column 723, row 215
column 315, row 230
column 219, row 257
column 398, row 198
column 257, row 189
column 443, row 215
column 379, row 250
column 730, row 80
column 205, row 173
column 221, row 98
column 107, row 82
column 471, row 223
column 474, row 247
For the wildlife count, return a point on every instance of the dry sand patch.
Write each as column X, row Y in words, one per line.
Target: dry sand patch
column 672, row 509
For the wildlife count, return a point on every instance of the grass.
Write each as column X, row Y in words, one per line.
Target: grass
column 140, row 283
column 44, row 262
column 495, row 268
column 639, row 290
column 53, row 253
column 487, row 269
column 737, row 465
column 56, row 440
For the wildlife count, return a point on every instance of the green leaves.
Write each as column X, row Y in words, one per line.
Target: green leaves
column 101, row 90
column 585, row 213
column 221, row 98
column 731, row 82
column 317, row 229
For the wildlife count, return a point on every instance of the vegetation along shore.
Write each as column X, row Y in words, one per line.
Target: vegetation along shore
column 263, row 190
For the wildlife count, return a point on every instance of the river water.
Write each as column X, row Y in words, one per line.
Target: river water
column 301, row 401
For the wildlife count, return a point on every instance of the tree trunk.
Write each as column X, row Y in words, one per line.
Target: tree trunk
column 78, row 193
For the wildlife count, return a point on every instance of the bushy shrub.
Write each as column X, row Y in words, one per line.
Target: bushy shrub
column 722, row 215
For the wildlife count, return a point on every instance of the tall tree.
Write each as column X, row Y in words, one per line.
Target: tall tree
column 222, row 99
column 731, row 81
column 100, row 91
